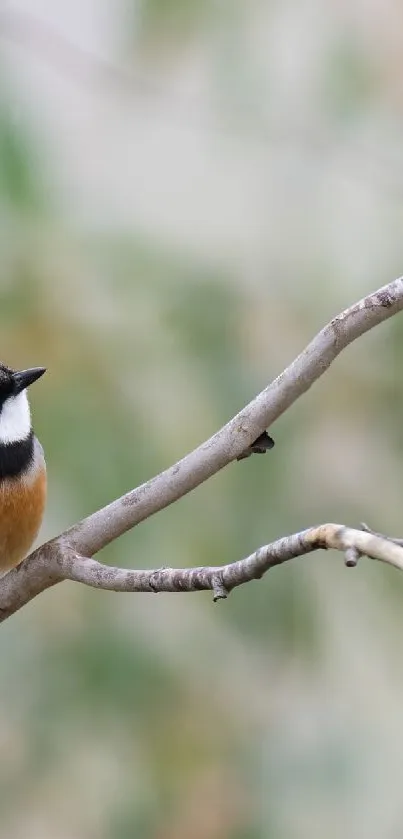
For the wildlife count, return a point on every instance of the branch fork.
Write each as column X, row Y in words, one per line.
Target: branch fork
column 70, row 555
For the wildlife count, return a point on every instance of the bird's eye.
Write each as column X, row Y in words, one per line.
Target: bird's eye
column 6, row 388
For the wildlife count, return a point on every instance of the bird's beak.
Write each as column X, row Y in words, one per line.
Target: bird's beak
column 24, row 378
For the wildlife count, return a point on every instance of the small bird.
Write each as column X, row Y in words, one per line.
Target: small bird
column 22, row 468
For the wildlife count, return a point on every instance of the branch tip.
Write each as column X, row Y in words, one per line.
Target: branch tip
column 351, row 557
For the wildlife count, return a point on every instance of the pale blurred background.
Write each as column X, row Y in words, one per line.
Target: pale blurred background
column 188, row 192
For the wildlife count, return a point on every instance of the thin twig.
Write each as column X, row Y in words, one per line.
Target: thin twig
column 222, row 579
column 395, row 539
column 39, row 572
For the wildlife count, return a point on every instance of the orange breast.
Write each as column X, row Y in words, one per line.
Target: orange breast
column 22, row 504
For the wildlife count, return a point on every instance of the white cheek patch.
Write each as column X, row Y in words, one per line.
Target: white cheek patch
column 15, row 419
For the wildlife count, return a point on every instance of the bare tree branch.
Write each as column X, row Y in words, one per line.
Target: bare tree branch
column 35, row 574
column 96, row 531
column 65, row 556
column 222, row 579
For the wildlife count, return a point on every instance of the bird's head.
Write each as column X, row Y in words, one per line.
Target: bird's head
column 15, row 416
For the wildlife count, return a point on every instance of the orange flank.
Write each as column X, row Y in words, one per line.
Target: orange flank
column 22, row 504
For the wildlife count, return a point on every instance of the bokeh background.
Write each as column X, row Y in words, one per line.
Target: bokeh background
column 188, row 192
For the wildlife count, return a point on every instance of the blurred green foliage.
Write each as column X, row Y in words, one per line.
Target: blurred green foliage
column 172, row 15
column 349, row 85
column 18, row 183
